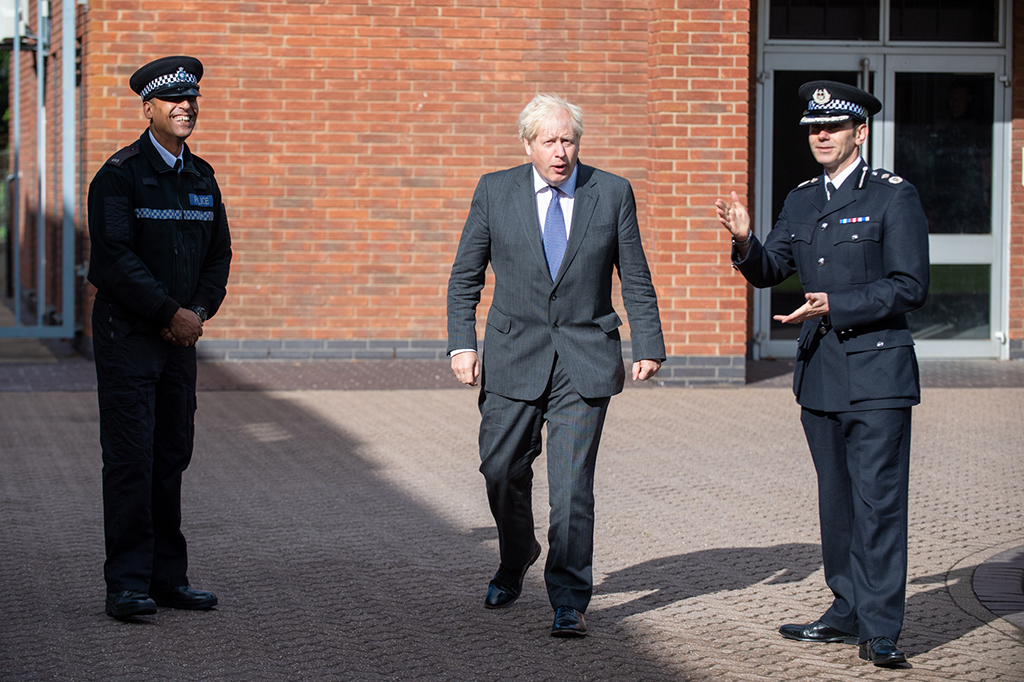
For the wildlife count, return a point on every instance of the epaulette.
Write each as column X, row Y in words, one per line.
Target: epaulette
column 882, row 175
column 123, row 155
column 805, row 183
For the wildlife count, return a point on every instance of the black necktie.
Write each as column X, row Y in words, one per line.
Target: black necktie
column 831, row 190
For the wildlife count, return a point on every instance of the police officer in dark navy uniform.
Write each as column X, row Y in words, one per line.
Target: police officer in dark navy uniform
column 159, row 260
column 858, row 238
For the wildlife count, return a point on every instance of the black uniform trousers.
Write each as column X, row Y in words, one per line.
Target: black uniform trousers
column 147, row 397
column 510, row 441
column 862, row 461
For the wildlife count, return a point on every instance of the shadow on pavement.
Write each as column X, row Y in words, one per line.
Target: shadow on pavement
column 685, row 576
column 325, row 569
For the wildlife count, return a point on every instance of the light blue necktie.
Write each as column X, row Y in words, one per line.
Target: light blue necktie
column 554, row 234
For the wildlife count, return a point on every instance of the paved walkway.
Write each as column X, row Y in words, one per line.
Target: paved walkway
column 347, row 535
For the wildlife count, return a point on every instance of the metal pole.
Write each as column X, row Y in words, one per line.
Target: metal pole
column 41, row 39
column 68, row 162
column 16, row 194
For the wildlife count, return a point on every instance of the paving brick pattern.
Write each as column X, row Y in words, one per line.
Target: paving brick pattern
column 347, row 535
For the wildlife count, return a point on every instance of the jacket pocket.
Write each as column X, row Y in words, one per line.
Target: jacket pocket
column 608, row 323
column 800, row 241
column 498, row 320
column 859, row 250
column 882, row 365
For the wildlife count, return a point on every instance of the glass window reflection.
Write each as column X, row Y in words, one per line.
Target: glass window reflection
column 957, row 305
column 943, row 145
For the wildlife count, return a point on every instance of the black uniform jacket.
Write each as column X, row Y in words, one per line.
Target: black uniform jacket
column 867, row 249
column 159, row 238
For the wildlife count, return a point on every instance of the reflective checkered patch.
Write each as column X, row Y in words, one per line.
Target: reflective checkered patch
column 172, row 214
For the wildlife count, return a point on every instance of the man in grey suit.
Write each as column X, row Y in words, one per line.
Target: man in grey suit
column 553, row 232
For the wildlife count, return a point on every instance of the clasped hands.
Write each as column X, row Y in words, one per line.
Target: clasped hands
column 184, row 330
column 735, row 218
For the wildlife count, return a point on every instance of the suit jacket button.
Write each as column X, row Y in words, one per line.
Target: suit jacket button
column 880, row 344
column 821, row 261
column 554, row 326
column 553, row 297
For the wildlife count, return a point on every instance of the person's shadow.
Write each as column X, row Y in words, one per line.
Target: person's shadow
column 685, row 576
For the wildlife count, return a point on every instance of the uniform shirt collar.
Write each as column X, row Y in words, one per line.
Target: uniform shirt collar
column 168, row 157
column 846, row 172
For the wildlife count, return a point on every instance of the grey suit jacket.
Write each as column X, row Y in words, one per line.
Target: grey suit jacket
column 531, row 318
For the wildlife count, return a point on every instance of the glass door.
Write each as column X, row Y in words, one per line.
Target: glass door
column 946, row 125
column 942, row 122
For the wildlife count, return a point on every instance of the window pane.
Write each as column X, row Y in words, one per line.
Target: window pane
column 946, row 20
column 943, row 126
column 957, row 305
column 824, row 19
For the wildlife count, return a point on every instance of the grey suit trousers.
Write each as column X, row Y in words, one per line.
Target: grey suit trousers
column 510, row 441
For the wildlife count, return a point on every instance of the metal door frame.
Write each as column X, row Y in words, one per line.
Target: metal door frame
column 885, row 58
column 66, row 329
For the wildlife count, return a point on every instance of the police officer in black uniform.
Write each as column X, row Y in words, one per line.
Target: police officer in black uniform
column 159, row 260
column 858, row 238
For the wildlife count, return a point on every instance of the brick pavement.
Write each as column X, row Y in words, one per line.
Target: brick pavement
column 347, row 535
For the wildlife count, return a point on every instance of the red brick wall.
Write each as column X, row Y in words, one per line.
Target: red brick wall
column 348, row 138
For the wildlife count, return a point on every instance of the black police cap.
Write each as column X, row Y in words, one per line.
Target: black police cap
column 168, row 77
column 832, row 102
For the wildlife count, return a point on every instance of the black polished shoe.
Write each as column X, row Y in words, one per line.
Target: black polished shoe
column 883, row 652
column 184, row 597
column 506, row 585
column 129, row 603
column 816, row 632
column 568, row 623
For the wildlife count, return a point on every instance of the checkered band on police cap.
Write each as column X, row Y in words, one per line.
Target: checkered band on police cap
column 181, row 76
column 832, row 102
column 171, row 76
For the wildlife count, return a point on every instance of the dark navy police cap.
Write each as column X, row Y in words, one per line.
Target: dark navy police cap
column 168, row 77
column 832, row 102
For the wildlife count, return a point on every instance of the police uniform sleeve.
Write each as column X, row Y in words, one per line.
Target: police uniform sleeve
column 903, row 285
column 768, row 264
column 114, row 267
column 213, row 278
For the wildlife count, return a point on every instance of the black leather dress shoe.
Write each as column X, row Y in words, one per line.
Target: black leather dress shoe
column 883, row 652
column 184, row 597
column 506, row 585
column 129, row 603
column 816, row 632
column 568, row 623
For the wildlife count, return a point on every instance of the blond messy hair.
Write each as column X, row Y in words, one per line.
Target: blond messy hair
column 542, row 107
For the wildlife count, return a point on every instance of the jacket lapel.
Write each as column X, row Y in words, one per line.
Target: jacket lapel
column 524, row 203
